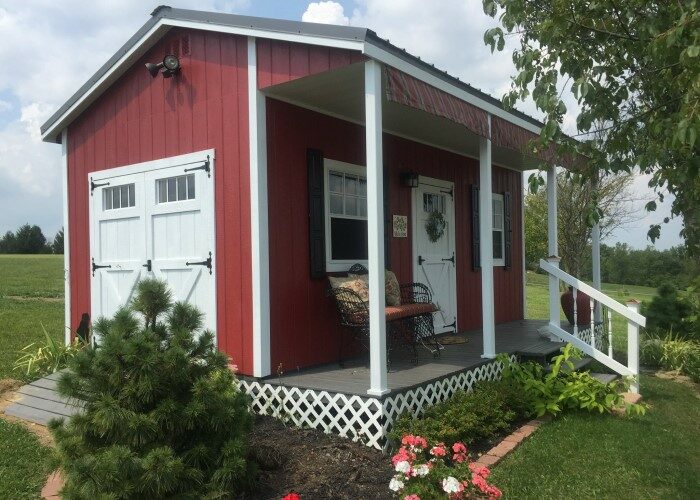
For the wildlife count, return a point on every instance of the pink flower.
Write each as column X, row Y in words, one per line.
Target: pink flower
column 411, row 497
column 403, row 455
column 479, row 470
column 291, row 496
column 438, row 450
column 415, row 441
column 459, row 448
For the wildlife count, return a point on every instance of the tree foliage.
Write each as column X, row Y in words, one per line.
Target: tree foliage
column 162, row 416
column 574, row 194
column 634, row 68
column 57, row 243
column 27, row 239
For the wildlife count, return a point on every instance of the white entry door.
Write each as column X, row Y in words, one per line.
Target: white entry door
column 154, row 219
column 434, row 251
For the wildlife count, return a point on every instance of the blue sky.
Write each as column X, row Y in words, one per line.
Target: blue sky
column 50, row 48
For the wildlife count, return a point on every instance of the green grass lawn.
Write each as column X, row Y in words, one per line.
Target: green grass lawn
column 600, row 456
column 26, row 287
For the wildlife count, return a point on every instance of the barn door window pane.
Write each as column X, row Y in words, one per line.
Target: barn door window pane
column 119, row 197
column 178, row 188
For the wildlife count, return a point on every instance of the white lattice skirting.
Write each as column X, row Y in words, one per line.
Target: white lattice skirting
column 360, row 418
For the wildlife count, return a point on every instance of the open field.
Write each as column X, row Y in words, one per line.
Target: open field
column 576, row 456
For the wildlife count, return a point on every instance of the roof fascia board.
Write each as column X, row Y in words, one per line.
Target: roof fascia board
column 382, row 55
column 273, row 35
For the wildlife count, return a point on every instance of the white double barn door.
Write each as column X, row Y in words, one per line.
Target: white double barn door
column 154, row 219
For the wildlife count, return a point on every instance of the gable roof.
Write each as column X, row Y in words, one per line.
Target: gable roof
column 365, row 40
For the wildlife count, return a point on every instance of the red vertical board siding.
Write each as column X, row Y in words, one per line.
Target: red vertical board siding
column 142, row 119
column 303, row 324
column 281, row 62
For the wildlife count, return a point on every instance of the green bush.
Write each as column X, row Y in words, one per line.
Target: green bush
column 672, row 353
column 562, row 388
column 491, row 408
column 162, row 414
column 675, row 311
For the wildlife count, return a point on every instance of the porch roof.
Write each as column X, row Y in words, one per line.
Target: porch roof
column 363, row 40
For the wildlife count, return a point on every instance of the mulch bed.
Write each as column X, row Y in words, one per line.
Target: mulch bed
column 315, row 465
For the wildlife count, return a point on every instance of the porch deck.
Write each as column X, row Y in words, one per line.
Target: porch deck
column 516, row 337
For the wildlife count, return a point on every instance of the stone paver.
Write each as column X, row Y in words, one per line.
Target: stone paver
column 53, row 485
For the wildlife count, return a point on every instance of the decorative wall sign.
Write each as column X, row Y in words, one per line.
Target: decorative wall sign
column 400, row 226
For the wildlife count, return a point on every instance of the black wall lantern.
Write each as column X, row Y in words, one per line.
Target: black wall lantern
column 170, row 65
column 409, row 179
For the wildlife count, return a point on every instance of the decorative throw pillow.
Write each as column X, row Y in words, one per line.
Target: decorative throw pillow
column 392, row 292
column 357, row 285
column 391, row 289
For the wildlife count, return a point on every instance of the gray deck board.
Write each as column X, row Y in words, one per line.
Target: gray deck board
column 514, row 337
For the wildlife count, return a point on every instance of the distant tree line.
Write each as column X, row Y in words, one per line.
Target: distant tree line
column 30, row 239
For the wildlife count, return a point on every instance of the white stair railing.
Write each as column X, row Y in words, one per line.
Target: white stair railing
column 595, row 340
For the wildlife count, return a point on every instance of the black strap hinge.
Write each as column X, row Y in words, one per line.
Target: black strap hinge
column 95, row 267
column 94, row 185
column 206, row 263
column 206, row 167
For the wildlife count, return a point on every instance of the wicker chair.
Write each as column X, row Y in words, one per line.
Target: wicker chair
column 407, row 324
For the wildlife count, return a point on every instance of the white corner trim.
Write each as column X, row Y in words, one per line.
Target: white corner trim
column 488, row 322
column 66, row 239
column 382, row 55
column 522, row 242
column 258, row 218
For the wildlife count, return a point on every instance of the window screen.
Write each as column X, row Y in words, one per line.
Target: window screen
column 347, row 206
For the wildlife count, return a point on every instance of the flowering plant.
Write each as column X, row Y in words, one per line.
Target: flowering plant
column 438, row 471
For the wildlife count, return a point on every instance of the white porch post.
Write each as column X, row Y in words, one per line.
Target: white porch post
column 375, row 228
column 595, row 256
column 553, row 245
column 488, row 322
column 66, row 238
column 258, row 218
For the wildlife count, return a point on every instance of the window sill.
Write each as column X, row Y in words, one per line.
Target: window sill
column 342, row 266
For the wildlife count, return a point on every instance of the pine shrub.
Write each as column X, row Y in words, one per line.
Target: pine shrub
column 162, row 416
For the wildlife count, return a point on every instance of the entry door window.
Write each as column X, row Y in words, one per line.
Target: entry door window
column 346, row 215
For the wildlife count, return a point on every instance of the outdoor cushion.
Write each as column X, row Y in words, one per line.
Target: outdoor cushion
column 408, row 310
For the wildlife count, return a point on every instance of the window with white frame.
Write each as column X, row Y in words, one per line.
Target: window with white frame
column 346, row 214
column 178, row 188
column 498, row 205
column 117, row 197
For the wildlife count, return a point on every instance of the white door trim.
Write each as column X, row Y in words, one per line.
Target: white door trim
column 208, row 204
column 447, row 185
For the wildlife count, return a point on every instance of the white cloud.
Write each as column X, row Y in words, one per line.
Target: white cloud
column 326, row 13
column 49, row 50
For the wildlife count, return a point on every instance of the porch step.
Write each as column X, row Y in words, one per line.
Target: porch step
column 541, row 351
column 605, row 378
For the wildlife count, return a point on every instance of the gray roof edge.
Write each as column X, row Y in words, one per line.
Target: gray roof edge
column 278, row 25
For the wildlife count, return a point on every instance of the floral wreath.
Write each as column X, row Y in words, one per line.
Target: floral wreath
column 435, row 226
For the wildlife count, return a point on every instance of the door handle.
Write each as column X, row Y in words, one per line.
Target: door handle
column 206, row 263
column 420, row 260
column 148, row 266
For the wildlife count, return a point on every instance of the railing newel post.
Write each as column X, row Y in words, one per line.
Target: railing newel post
column 633, row 346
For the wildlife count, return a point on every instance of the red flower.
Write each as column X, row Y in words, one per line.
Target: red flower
column 459, row 448
column 415, row 441
column 291, row 496
column 438, row 450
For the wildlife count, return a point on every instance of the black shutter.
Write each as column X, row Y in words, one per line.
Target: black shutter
column 476, row 237
column 508, row 229
column 388, row 221
column 317, row 236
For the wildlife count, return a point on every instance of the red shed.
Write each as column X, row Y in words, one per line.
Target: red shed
column 263, row 155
